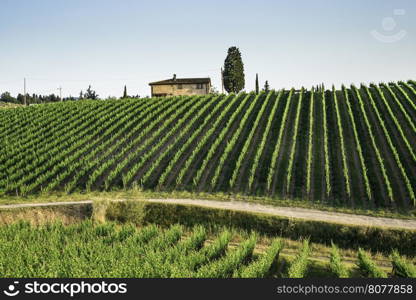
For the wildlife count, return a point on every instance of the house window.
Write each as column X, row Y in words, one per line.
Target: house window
column 199, row 86
column 179, row 86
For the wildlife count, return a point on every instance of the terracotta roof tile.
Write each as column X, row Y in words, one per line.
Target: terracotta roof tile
column 182, row 81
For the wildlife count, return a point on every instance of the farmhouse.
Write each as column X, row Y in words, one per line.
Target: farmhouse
column 180, row 86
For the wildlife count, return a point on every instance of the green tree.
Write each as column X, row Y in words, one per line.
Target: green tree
column 257, row 83
column 266, row 86
column 90, row 94
column 233, row 71
column 125, row 92
column 20, row 99
column 6, row 97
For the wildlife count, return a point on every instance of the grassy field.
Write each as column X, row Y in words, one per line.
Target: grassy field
column 352, row 148
column 90, row 249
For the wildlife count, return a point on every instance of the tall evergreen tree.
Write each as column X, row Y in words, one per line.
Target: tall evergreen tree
column 266, row 86
column 125, row 92
column 257, row 83
column 233, row 71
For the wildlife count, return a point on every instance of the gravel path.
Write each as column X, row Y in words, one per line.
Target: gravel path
column 291, row 212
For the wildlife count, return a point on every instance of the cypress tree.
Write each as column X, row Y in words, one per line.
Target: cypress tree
column 266, row 86
column 257, row 83
column 233, row 71
column 125, row 92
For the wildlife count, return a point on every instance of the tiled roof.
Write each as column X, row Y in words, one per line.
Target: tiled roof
column 182, row 81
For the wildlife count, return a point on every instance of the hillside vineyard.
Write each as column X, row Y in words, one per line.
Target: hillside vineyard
column 353, row 147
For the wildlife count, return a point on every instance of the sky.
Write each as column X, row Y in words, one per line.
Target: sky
column 291, row 43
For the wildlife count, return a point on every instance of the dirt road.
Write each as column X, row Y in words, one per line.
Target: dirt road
column 291, row 212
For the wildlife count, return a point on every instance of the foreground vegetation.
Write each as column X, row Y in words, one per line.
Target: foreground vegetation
column 347, row 236
column 5, row 105
column 354, row 147
column 109, row 249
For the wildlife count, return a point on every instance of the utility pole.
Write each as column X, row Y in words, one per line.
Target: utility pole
column 60, row 93
column 222, row 81
column 24, row 91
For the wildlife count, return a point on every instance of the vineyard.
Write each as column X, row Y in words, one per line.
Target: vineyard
column 110, row 250
column 354, row 147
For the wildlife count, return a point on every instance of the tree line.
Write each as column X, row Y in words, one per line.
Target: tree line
column 89, row 94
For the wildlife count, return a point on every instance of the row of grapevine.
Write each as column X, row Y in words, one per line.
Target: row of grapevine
column 299, row 266
column 374, row 144
column 326, row 151
column 310, row 143
column 155, row 125
column 358, row 145
column 260, row 149
column 124, row 143
column 185, row 266
column 186, row 130
column 336, row 265
column 231, row 143
column 276, row 144
column 189, row 142
column 399, row 104
column 396, row 122
column 89, row 249
column 134, row 128
column 130, row 176
column 405, row 94
column 202, row 143
column 402, row 267
column 65, row 141
column 225, row 267
column 52, row 167
column 264, row 265
column 219, row 139
column 294, row 140
column 392, row 146
column 249, row 140
column 368, row 267
column 342, row 144
column 412, row 91
column 25, row 150
column 123, row 124
column 272, row 167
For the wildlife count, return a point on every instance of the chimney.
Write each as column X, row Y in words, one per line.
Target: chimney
column 174, row 77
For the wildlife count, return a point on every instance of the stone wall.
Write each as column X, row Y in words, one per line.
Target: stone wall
column 174, row 90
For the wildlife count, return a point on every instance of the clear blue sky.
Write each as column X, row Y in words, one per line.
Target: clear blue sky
column 74, row 43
